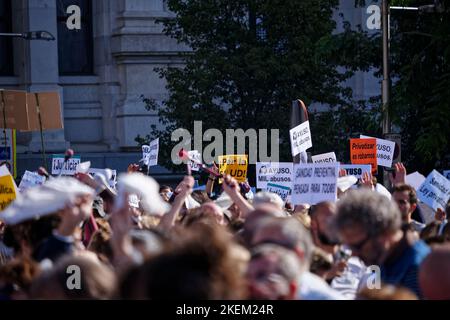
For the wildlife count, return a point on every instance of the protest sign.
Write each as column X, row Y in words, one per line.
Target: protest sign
column 110, row 175
column 234, row 165
column 7, row 191
column 70, row 167
column 356, row 170
column 282, row 191
column 447, row 174
column 197, row 157
column 364, row 151
column 8, row 151
column 415, row 179
column 150, row 153
column 324, row 158
column 314, row 183
column 31, row 179
column 4, row 171
column 435, row 191
column 385, row 151
column 300, row 138
column 279, row 173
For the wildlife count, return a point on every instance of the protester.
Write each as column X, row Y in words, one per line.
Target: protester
column 434, row 276
column 273, row 273
column 370, row 225
column 406, row 199
column 291, row 234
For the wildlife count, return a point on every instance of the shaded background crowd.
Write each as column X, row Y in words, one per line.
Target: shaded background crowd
column 78, row 238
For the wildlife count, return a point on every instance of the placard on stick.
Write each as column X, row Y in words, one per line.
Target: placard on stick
column 234, row 165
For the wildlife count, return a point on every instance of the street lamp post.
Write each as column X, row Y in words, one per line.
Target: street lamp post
column 32, row 35
column 386, row 84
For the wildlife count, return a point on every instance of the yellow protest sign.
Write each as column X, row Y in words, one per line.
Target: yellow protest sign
column 7, row 191
column 234, row 165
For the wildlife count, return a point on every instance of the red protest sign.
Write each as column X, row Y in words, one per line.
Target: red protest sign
column 364, row 151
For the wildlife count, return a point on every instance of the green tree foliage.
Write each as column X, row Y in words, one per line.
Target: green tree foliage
column 421, row 84
column 251, row 58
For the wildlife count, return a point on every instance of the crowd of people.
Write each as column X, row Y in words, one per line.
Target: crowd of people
column 79, row 238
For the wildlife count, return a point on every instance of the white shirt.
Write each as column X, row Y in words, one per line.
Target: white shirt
column 312, row 287
column 347, row 283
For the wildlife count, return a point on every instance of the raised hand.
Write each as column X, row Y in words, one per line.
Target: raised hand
column 342, row 173
column 367, row 180
column 400, row 174
column 133, row 167
column 73, row 214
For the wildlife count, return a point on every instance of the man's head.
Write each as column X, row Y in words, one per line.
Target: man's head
column 272, row 273
column 434, row 278
column 406, row 199
column 367, row 222
column 265, row 198
column 212, row 210
column 321, row 217
column 288, row 233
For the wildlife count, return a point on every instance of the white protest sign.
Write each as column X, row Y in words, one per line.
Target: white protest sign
column 385, row 151
column 447, row 174
column 300, row 138
column 356, row 170
column 31, row 179
column 70, row 167
column 279, row 173
column 324, row 158
column 415, row 179
column 110, row 175
column 282, row 191
column 314, row 183
column 84, row 167
column 153, row 154
column 435, row 190
column 194, row 155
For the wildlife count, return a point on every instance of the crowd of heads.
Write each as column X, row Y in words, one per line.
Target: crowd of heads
column 221, row 243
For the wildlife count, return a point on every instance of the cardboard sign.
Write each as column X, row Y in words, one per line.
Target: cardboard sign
column 447, row 174
column 435, row 190
column 50, row 109
column 195, row 155
column 8, row 150
column 300, row 138
column 364, row 151
column 70, row 167
column 415, row 179
column 31, row 179
column 14, row 105
column 282, row 191
column 314, row 183
column 7, row 191
column 356, row 170
column 279, row 173
column 385, row 151
column 22, row 113
column 234, row 165
column 150, row 153
column 324, row 158
column 110, row 175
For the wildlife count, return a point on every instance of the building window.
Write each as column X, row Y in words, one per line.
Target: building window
column 6, row 48
column 75, row 47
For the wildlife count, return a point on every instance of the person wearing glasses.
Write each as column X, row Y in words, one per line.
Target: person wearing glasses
column 371, row 226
